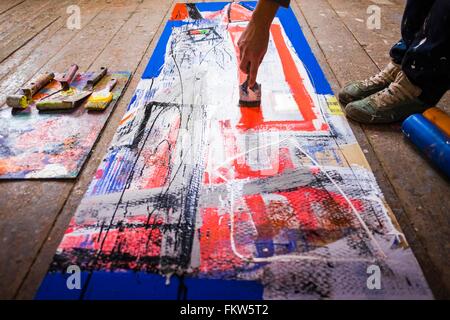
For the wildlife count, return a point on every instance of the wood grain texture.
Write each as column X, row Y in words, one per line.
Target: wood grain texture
column 47, row 199
column 22, row 26
column 7, row 5
column 121, row 34
column 130, row 49
column 20, row 68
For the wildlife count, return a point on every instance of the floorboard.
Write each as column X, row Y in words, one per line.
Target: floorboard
column 120, row 34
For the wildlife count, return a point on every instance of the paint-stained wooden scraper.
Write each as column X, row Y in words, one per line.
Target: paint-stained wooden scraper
column 100, row 100
column 249, row 96
column 66, row 78
column 25, row 96
column 95, row 79
column 69, row 99
column 62, row 103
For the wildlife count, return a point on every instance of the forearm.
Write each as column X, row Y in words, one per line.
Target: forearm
column 283, row 3
column 255, row 38
column 264, row 13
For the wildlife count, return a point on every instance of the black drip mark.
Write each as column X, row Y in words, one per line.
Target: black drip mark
column 179, row 72
column 91, row 266
column 182, row 197
column 182, row 293
column 193, row 11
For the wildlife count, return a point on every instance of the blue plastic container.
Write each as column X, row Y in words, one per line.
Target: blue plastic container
column 429, row 139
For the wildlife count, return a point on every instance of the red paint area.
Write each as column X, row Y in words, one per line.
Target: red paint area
column 158, row 163
column 235, row 14
column 136, row 238
column 216, row 253
column 304, row 215
column 179, row 12
column 293, row 78
column 280, row 161
column 308, row 206
column 252, row 118
column 235, row 33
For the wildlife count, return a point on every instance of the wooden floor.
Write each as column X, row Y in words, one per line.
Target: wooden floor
column 121, row 34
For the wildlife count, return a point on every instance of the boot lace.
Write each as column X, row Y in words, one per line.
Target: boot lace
column 385, row 75
column 398, row 91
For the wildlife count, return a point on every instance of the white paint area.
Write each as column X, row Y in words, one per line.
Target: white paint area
column 205, row 73
column 49, row 171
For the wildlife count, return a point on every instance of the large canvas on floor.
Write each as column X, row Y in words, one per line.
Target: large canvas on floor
column 198, row 198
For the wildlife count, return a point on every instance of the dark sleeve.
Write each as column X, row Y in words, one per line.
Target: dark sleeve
column 283, row 3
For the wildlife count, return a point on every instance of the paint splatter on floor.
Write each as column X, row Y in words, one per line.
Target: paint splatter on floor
column 198, row 198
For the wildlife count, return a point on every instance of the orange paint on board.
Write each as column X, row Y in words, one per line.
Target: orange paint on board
column 216, row 253
column 179, row 12
column 252, row 117
column 239, row 13
column 293, row 77
column 125, row 119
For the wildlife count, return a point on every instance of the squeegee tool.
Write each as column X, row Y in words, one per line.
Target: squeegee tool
column 249, row 97
column 66, row 78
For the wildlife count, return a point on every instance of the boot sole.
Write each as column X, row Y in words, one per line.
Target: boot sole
column 362, row 117
column 346, row 99
column 358, row 116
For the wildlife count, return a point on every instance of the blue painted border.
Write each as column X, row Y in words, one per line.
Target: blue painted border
column 139, row 285
column 156, row 62
column 303, row 50
column 290, row 25
column 130, row 285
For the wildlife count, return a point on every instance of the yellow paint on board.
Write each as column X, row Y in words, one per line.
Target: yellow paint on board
column 99, row 101
column 68, row 92
column 334, row 107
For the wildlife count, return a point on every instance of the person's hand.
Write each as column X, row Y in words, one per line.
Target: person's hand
column 255, row 39
column 252, row 48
